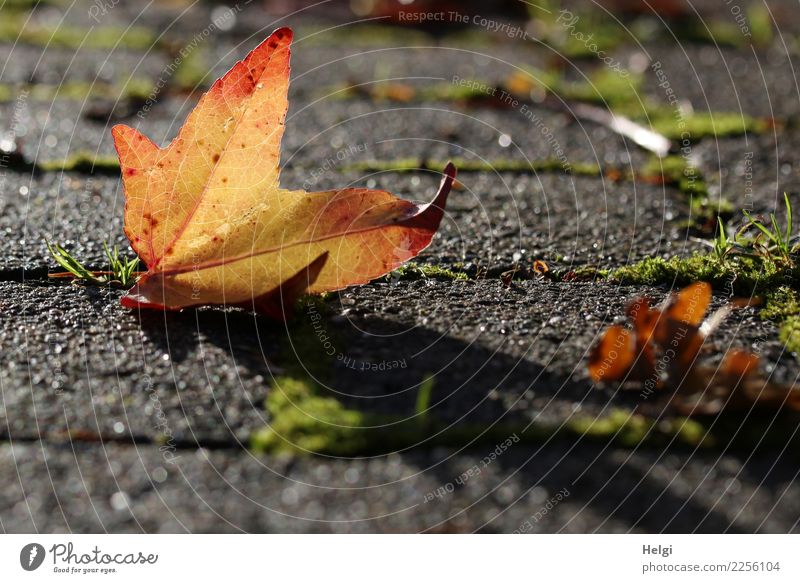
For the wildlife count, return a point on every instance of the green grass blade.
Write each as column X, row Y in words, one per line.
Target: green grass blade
column 424, row 398
column 777, row 231
column 68, row 262
column 722, row 238
column 121, row 269
column 761, row 227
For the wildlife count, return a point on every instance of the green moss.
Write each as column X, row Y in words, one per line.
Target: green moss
column 463, row 165
column 676, row 170
column 699, row 125
column 192, row 71
column 781, row 303
column 304, row 421
column 341, row 91
column 624, row 96
column 721, row 32
column 632, row 429
column 604, row 87
column 746, row 275
column 731, row 429
column 305, row 418
column 77, row 91
column 414, row 271
column 790, row 334
column 705, row 209
column 629, row 428
column 134, row 88
column 13, row 28
column 362, row 36
column 106, row 37
column 691, row 126
column 760, row 22
column 82, row 162
column 756, row 29
column 456, row 92
column 718, row 31
column 689, row 431
column 584, row 37
column 301, row 420
column 399, row 164
column 673, row 168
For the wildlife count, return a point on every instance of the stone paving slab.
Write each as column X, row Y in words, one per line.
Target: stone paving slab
column 540, row 330
column 114, row 488
column 27, row 64
column 755, row 171
column 492, row 220
column 720, row 79
column 75, row 210
column 76, row 363
column 318, row 129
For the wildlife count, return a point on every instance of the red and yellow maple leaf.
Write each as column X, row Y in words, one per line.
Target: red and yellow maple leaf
column 208, row 218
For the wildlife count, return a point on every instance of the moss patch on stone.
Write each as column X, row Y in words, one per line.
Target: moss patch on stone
column 464, row 165
column 14, row 28
column 697, row 125
column 303, row 420
column 414, row 271
column 603, row 87
column 193, row 72
column 85, row 162
column 783, row 305
column 363, row 35
column 631, row 429
column 740, row 274
column 134, row 88
column 753, row 26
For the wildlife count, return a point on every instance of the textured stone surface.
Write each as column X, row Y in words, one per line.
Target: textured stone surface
column 82, row 487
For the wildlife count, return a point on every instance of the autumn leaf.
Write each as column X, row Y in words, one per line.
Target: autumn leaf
column 674, row 329
column 613, row 356
column 208, row 218
column 662, row 350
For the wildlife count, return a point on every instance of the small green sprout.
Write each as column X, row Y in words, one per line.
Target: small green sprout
column 781, row 244
column 424, row 398
column 122, row 271
column 722, row 244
